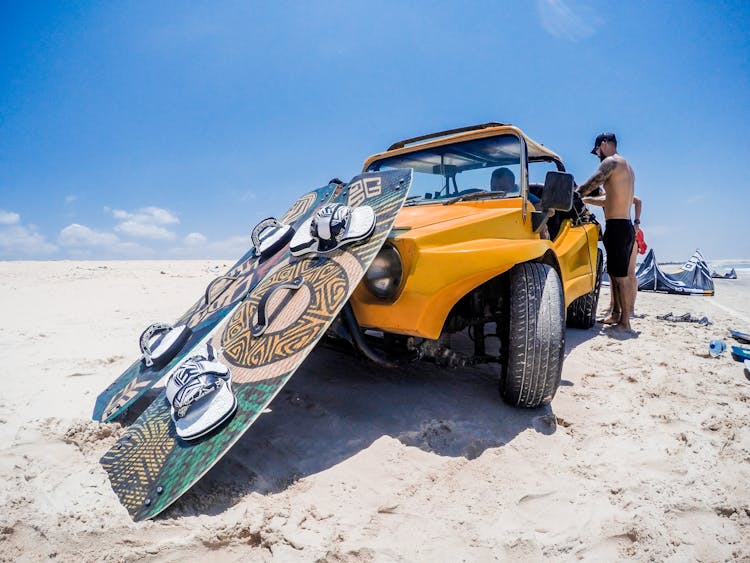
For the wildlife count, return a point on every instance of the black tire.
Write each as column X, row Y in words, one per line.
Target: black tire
column 536, row 337
column 582, row 311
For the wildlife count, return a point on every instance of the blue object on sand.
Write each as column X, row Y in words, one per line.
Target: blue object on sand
column 741, row 336
column 716, row 347
column 740, row 354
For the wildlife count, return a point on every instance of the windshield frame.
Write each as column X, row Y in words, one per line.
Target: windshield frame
column 523, row 181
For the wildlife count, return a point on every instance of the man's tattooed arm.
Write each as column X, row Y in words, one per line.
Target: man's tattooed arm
column 599, row 177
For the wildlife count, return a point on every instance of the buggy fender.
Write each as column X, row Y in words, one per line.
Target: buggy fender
column 436, row 278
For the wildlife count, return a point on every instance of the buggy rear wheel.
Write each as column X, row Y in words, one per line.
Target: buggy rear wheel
column 582, row 311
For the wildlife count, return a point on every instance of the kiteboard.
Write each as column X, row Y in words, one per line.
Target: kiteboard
column 164, row 346
column 212, row 400
column 740, row 336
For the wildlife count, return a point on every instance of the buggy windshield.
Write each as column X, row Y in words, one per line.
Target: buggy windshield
column 490, row 165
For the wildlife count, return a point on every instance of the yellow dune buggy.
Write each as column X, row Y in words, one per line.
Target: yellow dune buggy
column 503, row 263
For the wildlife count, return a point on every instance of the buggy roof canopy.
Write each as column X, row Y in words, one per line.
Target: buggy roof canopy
column 495, row 145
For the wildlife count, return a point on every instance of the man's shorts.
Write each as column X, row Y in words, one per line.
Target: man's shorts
column 618, row 241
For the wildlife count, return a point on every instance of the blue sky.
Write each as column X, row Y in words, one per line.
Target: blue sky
column 167, row 130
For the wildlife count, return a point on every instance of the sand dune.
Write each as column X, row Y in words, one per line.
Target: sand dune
column 644, row 453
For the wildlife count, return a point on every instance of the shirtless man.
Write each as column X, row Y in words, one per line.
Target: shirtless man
column 612, row 314
column 618, row 179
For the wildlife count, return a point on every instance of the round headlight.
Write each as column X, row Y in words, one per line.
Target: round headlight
column 383, row 278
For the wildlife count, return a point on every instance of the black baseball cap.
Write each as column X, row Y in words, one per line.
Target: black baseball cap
column 610, row 137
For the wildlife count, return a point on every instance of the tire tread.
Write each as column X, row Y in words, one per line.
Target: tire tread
column 537, row 336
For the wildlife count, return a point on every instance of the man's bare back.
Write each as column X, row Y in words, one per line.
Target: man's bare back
column 618, row 179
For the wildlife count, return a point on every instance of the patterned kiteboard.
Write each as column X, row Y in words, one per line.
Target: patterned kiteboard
column 150, row 467
column 222, row 296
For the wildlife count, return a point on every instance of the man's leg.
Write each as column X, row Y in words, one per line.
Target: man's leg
column 612, row 316
column 631, row 275
column 625, row 297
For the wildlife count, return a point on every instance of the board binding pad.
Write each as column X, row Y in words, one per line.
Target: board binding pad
column 331, row 227
column 151, row 467
column 269, row 236
column 161, row 342
column 221, row 297
column 200, row 395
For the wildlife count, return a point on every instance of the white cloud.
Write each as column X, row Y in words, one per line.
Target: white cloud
column 568, row 19
column 70, row 199
column 83, row 242
column 144, row 230
column 9, row 218
column 146, row 222
column 19, row 241
column 149, row 215
column 81, row 235
column 232, row 247
column 197, row 246
column 195, row 239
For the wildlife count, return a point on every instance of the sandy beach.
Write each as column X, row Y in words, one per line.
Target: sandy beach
column 643, row 455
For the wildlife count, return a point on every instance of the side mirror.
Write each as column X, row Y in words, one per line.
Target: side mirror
column 558, row 191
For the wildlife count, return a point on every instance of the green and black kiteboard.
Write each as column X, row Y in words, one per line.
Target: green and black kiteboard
column 151, row 467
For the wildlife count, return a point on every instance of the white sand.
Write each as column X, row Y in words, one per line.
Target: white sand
column 644, row 455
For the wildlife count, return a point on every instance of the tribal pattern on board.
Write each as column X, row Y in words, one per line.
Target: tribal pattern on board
column 296, row 323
